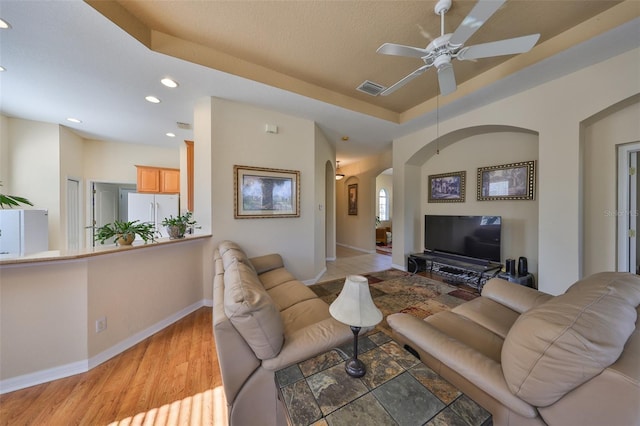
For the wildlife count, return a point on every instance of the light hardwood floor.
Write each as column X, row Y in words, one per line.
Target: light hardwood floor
column 171, row 378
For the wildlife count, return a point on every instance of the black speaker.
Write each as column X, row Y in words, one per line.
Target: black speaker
column 523, row 269
column 510, row 266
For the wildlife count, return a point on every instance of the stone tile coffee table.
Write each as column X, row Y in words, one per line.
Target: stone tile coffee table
column 396, row 390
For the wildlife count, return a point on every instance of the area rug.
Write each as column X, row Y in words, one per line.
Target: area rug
column 398, row 291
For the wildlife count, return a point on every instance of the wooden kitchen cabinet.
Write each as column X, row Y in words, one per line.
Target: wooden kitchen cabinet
column 158, row 180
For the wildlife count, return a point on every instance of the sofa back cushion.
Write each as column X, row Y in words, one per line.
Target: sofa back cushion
column 251, row 310
column 230, row 251
column 555, row 347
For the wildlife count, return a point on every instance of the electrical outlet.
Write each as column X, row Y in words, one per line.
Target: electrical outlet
column 101, row 324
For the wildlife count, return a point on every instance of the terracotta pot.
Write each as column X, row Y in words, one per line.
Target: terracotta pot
column 126, row 239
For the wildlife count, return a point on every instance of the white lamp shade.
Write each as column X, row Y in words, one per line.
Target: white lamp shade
column 354, row 305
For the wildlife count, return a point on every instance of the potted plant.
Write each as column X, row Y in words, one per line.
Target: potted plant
column 123, row 233
column 12, row 200
column 177, row 226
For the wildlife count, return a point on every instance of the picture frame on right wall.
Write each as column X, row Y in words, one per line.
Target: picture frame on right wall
column 514, row 181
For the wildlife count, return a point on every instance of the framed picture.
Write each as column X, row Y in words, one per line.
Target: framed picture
column 265, row 193
column 447, row 187
column 353, row 199
column 514, row 181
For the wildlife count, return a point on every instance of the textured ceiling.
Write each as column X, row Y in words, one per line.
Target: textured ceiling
column 332, row 44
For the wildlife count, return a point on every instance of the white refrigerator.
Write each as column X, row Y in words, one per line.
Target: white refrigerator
column 23, row 231
column 153, row 208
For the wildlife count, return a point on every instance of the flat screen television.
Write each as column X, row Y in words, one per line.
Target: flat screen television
column 472, row 236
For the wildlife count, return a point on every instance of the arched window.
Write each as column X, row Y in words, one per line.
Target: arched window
column 383, row 205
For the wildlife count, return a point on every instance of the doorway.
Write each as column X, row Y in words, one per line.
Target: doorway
column 383, row 206
column 108, row 203
column 627, row 211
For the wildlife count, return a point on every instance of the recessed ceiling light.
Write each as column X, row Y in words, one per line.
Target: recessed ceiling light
column 153, row 99
column 345, row 138
column 2, row 69
column 169, row 83
column 171, row 135
column 74, row 120
column 4, row 25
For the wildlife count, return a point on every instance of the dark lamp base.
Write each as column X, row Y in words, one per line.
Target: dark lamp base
column 355, row 367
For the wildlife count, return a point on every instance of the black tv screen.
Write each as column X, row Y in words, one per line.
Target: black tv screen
column 472, row 236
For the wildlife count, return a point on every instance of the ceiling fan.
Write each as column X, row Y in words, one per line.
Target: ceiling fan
column 443, row 49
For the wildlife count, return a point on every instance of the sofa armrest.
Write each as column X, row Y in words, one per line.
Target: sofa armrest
column 267, row 263
column 309, row 342
column 483, row 372
column 514, row 296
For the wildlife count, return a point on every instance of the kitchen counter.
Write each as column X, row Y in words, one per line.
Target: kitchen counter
column 55, row 255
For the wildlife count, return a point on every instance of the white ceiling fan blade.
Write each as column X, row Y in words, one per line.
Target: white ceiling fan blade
column 481, row 12
column 499, row 48
column 446, row 79
column 400, row 50
column 404, row 81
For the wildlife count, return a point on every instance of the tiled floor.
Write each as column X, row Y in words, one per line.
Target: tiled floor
column 349, row 262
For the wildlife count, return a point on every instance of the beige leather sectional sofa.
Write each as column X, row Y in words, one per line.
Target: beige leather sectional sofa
column 264, row 320
column 533, row 359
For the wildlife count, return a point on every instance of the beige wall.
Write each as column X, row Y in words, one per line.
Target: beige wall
column 602, row 133
column 238, row 137
column 323, row 211
column 71, row 166
column 43, row 311
column 48, row 310
column 519, row 218
column 358, row 231
column 115, row 162
column 35, row 168
column 555, row 111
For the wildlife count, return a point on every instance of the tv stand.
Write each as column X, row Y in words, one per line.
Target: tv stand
column 454, row 269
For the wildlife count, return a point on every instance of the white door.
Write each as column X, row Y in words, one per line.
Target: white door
column 73, row 214
column 627, row 211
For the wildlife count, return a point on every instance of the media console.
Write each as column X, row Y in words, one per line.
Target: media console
column 454, row 269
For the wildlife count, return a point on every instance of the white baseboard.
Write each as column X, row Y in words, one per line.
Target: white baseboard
column 356, row 248
column 317, row 277
column 141, row 335
column 62, row 371
column 43, row 376
column 400, row 267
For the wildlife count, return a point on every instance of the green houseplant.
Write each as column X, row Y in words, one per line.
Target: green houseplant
column 123, row 233
column 177, row 226
column 12, row 201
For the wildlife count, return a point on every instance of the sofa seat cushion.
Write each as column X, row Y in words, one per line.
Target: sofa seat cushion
column 275, row 277
column 304, row 314
column 491, row 315
column 561, row 344
column 288, row 294
column 467, row 332
column 251, row 311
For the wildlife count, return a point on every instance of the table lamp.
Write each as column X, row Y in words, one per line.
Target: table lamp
column 355, row 308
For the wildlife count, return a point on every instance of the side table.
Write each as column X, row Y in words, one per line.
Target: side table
column 397, row 389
